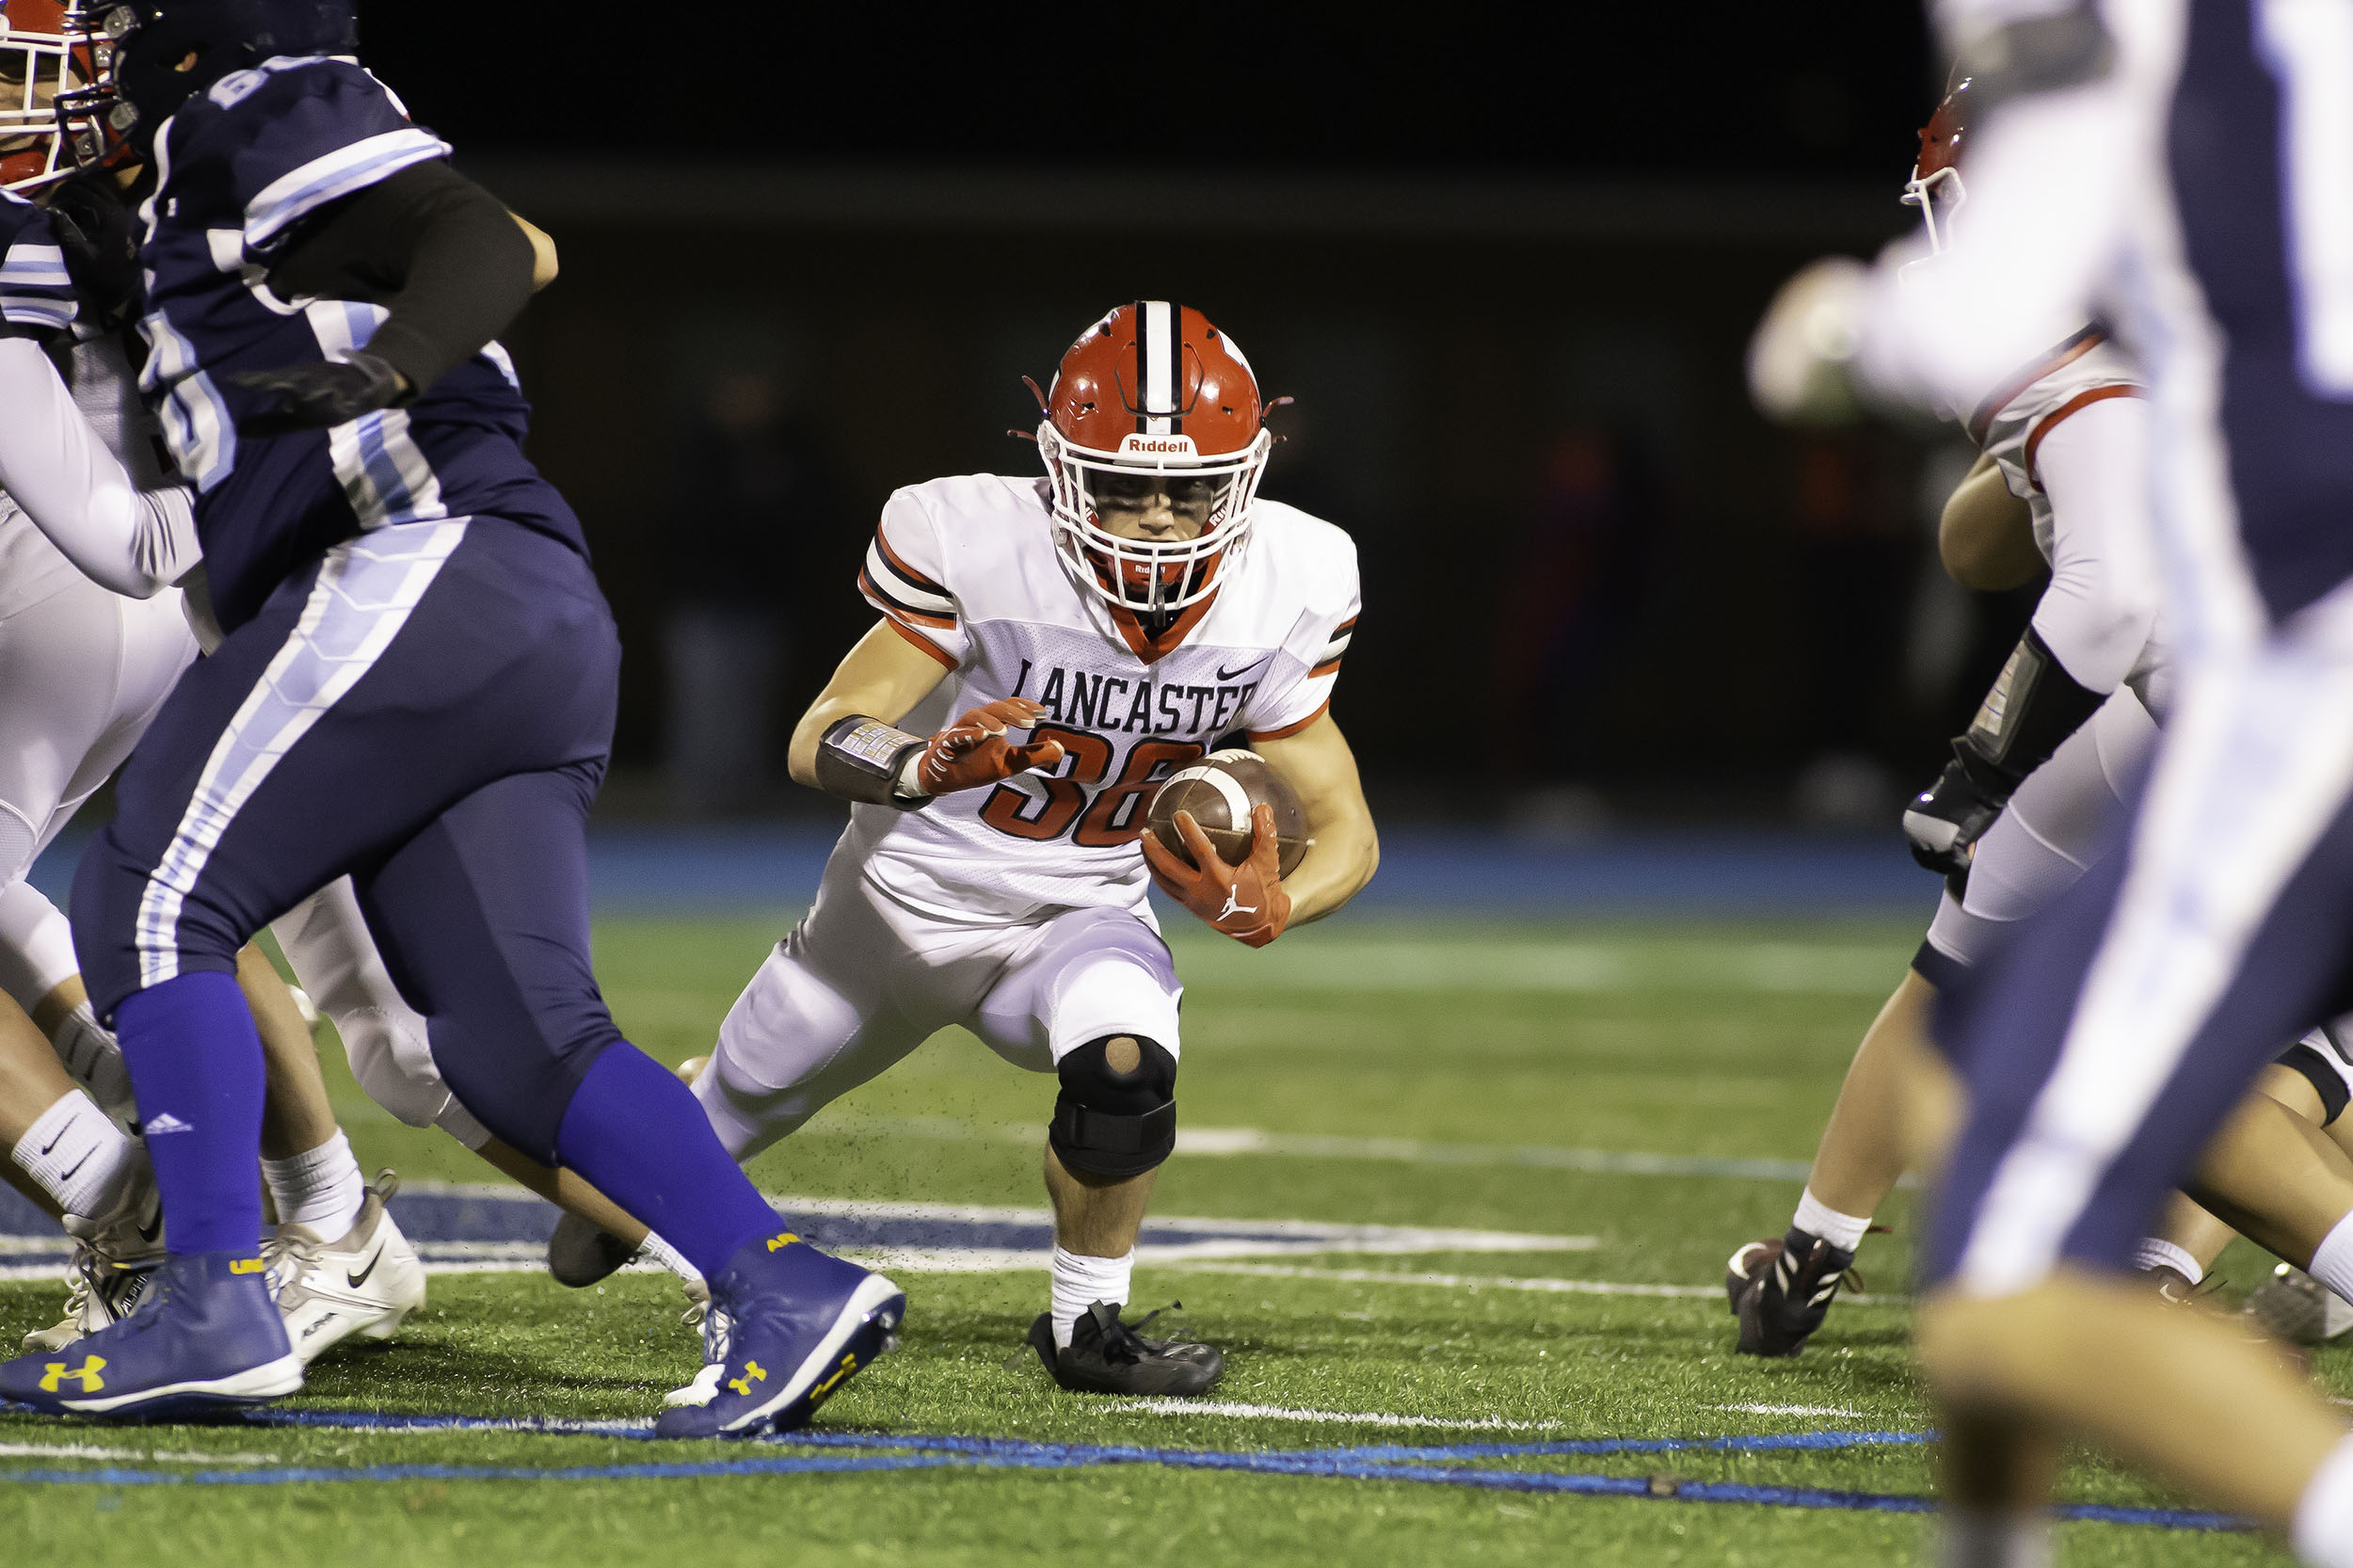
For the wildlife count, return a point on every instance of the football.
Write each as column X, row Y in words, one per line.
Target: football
column 1220, row 791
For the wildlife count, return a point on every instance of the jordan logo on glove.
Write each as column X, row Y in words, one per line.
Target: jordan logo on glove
column 1245, row 902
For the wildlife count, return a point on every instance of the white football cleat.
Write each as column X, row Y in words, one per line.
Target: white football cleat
column 365, row 1282
column 2294, row 1306
column 111, row 1263
column 113, row 1258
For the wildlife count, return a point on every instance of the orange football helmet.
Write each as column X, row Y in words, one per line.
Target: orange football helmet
column 36, row 68
column 1152, row 396
column 1935, row 185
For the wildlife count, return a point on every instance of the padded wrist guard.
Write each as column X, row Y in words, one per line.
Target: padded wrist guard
column 867, row 761
column 2034, row 705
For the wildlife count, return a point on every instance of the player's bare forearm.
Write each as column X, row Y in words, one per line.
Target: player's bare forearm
column 1986, row 535
column 543, row 252
column 882, row 677
column 1319, row 764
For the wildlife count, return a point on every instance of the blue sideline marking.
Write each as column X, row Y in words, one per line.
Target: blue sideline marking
column 1376, row 1462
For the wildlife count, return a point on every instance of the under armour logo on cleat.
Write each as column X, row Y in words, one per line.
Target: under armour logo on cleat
column 753, row 1372
column 164, row 1121
column 777, row 1243
column 85, row 1374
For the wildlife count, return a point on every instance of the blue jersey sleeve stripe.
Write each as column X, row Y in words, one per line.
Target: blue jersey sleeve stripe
column 301, row 191
column 35, row 290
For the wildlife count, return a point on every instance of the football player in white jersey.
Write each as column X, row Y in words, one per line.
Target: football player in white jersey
column 1126, row 612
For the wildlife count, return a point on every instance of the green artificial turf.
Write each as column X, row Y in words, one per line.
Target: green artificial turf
column 1476, row 1054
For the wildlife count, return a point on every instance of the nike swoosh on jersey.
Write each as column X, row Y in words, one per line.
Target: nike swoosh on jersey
column 354, row 1281
column 1242, row 668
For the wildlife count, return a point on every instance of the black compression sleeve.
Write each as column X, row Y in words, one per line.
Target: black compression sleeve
column 2034, row 705
column 441, row 252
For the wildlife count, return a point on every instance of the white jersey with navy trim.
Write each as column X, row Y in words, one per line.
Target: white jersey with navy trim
column 238, row 168
column 967, row 568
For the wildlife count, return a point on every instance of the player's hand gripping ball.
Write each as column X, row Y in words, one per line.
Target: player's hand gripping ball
column 973, row 750
column 1220, row 838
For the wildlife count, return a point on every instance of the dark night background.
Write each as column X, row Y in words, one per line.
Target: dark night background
column 1506, row 259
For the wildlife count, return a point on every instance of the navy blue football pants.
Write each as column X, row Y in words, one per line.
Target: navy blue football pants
column 2117, row 1028
column 428, row 709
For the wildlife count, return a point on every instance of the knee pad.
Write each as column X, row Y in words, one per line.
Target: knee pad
column 1114, row 1123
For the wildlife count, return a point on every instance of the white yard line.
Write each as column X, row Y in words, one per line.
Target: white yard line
column 1483, row 1282
column 145, row 1456
column 1358, row 1418
column 1229, row 1141
column 1840, row 1411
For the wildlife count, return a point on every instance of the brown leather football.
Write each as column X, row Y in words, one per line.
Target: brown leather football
column 1220, row 791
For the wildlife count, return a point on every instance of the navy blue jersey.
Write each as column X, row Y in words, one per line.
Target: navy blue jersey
column 238, row 170
column 35, row 291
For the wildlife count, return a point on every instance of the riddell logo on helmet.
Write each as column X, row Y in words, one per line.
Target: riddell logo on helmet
column 1158, row 446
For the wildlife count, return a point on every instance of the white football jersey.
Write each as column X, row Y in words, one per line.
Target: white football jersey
column 2012, row 422
column 106, row 389
column 967, row 568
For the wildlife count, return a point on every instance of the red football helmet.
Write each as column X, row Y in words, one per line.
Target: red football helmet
column 1153, row 398
column 36, row 66
column 1935, row 185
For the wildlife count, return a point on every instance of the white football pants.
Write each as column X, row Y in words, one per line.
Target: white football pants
column 82, row 673
column 863, row 980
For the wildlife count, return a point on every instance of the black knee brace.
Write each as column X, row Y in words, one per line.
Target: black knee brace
column 1109, row 1123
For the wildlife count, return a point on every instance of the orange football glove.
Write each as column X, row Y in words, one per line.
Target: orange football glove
column 1245, row 902
column 972, row 751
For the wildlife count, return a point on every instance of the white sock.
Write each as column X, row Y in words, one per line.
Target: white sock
column 78, row 1154
column 1817, row 1218
column 1971, row 1538
column 2322, row 1529
column 2157, row 1253
column 661, row 1252
column 1080, row 1282
column 2332, row 1260
column 320, row 1188
column 90, row 1056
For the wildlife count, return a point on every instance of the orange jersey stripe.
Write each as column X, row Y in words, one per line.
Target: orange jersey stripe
column 921, row 641
column 891, row 607
column 2065, row 354
column 1290, row 729
column 2049, row 421
column 909, row 572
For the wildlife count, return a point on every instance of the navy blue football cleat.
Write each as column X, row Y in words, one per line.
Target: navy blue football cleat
column 799, row 1324
column 208, row 1334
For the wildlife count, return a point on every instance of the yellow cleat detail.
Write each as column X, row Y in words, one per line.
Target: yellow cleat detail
column 85, row 1374
column 777, row 1243
column 753, row 1372
column 818, row 1395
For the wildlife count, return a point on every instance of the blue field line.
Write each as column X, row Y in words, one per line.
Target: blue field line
column 1386, row 1463
column 1057, row 1457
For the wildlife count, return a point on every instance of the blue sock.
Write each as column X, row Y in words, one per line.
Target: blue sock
column 641, row 1137
column 196, row 1067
